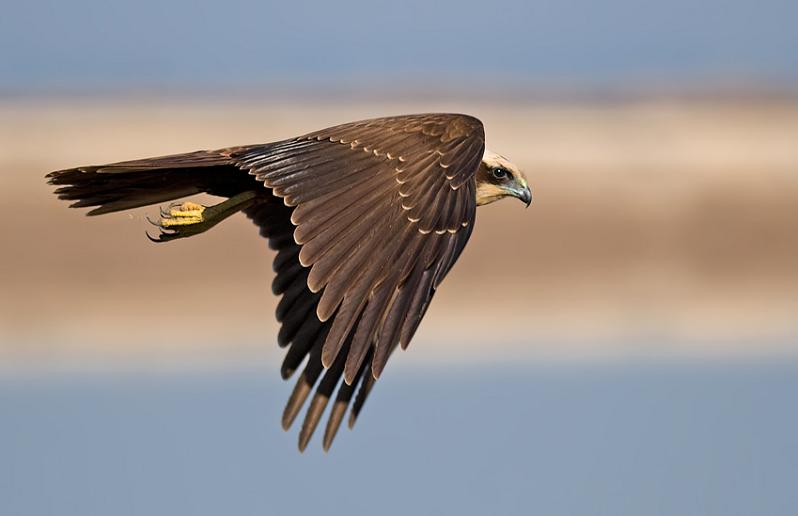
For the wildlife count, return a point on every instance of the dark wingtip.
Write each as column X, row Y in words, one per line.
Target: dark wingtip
column 53, row 176
column 334, row 422
column 363, row 392
column 315, row 411
column 102, row 210
column 287, row 372
column 295, row 401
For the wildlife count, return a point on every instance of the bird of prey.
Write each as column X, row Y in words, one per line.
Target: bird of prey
column 367, row 218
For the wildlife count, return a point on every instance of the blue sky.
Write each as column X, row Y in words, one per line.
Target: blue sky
column 53, row 46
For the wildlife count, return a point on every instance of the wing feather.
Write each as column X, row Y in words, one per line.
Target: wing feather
column 304, row 383
column 345, row 392
column 377, row 212
column 301, row 345
column 378, row 302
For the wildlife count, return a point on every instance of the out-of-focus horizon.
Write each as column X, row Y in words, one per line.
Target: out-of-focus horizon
column 660, row 228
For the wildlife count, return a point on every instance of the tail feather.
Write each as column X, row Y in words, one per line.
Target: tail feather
column 132, row 184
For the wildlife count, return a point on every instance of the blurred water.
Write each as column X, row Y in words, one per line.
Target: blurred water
column 569, row 439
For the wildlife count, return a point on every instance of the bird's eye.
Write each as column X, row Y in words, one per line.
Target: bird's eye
column 500, row 173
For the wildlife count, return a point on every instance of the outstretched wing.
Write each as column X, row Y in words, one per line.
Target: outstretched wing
column 374, row 215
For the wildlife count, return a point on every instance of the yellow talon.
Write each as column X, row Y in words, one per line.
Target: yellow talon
column 187, row 209
column 182, row 221
column 183, row 215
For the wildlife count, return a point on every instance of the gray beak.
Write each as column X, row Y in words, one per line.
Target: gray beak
column 526, row 196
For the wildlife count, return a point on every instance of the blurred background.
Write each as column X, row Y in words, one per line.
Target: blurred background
column 628, row 345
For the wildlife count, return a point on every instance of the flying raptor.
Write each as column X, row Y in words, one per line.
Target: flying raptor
column 367, row 218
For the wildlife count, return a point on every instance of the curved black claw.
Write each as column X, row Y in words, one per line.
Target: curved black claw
column 163, row 236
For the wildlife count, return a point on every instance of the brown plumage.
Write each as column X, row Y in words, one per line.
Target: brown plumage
column 367, row 218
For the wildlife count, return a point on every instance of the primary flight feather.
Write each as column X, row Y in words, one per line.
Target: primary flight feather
column 367, row 218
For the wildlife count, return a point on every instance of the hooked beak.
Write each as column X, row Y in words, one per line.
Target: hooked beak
column 525, row 194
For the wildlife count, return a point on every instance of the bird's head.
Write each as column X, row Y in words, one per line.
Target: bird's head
column 498, row 178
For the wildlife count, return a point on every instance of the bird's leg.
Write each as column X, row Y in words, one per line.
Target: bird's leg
column 181, row 220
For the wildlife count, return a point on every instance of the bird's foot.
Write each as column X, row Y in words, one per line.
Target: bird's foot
column 187, row 219
column 182, row 214
column 180, row 220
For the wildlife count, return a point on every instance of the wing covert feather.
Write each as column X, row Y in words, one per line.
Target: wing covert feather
column 380, row 210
